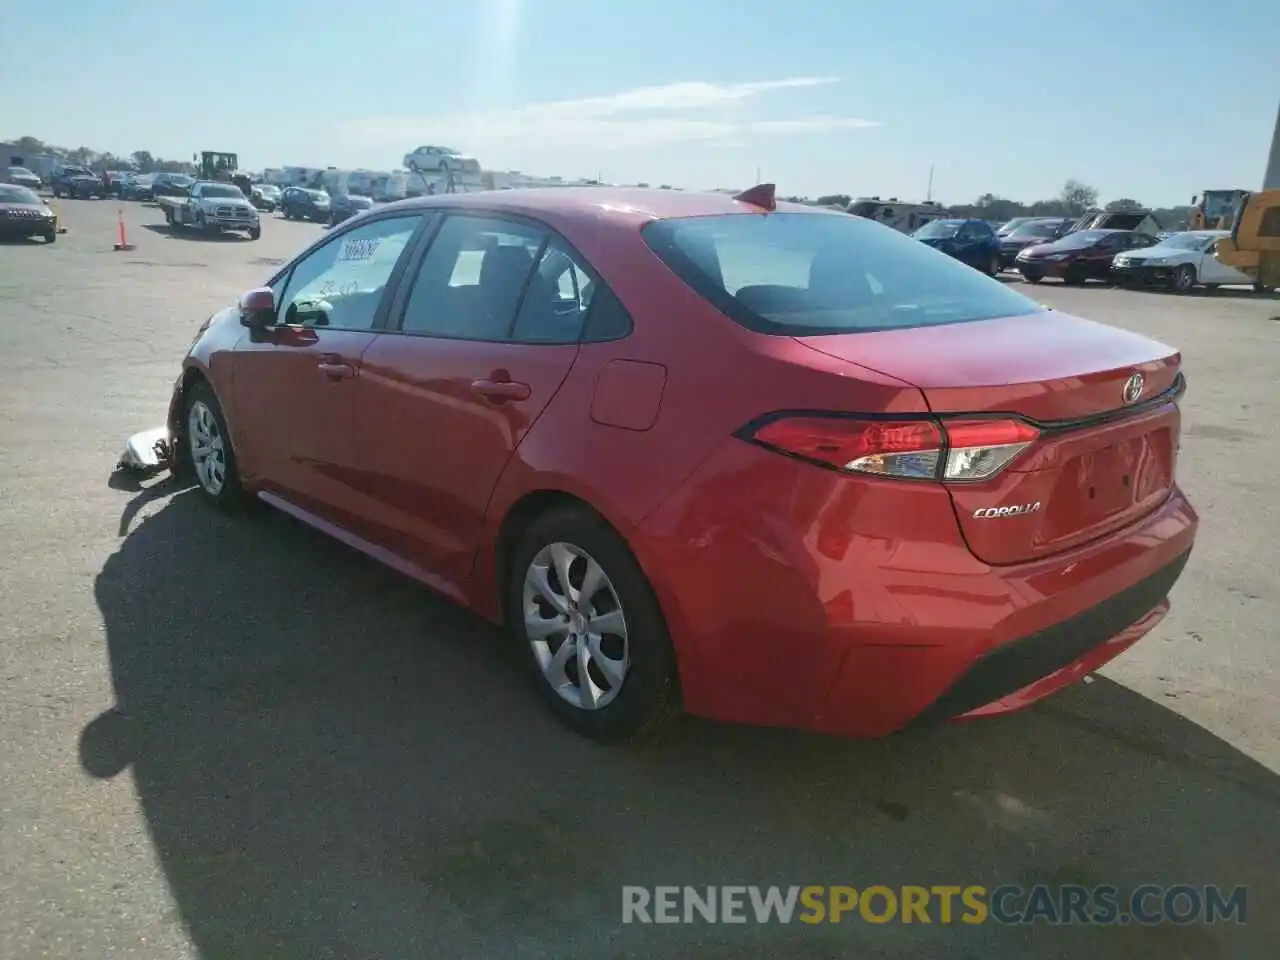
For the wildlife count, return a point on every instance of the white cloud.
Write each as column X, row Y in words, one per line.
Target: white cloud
column 626, row 120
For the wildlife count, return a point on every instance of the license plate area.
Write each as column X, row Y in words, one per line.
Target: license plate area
column 1108, row 486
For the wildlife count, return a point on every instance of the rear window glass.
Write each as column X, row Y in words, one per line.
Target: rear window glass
column 801, row 274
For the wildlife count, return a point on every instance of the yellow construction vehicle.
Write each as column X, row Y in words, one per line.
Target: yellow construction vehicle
column 1254, row 245
column 1214, row 209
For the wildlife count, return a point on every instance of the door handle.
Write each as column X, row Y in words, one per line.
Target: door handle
column 333, row 368
column 500, row 391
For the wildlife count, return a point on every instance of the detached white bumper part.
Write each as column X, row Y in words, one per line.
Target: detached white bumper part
column 147, row 452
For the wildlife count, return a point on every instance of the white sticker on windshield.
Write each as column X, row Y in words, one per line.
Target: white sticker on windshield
column 361, row 249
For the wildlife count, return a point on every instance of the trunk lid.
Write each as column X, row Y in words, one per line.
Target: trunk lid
column 1102, row 461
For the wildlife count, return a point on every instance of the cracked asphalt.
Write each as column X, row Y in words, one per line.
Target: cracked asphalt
column 231, row 738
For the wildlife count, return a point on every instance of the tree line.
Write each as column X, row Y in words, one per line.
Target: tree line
column 144, row 161
column 1073, row 200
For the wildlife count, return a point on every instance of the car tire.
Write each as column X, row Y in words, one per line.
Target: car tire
column 255, row 233
column 1074, row 277
column 993, row 267
column 1263, row 288
column 644, row 699
column 1032, row 276
column 206, row 446
column 51, row 236
column 1184, row 278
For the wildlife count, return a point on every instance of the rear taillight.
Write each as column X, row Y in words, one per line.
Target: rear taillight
column 952, row 449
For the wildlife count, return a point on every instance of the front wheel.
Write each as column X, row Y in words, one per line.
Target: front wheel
column 1263, row 288
column 1031, row 276
column 255, row 233
column 1075, row 277
column 595, row 639
column 1184, row 278
column 208, row 448
column 51, row 236
column 993, row 266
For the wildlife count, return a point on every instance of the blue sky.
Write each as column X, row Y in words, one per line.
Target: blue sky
column 1151, row 100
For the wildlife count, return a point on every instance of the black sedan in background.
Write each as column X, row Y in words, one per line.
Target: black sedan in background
column 299, row 203
column 171, row 185
column 23, row 215
column 1030, row 234
column 343, row 206
column 265, row 196
column 137, row 186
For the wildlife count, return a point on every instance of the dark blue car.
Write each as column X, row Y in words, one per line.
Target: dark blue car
column 969, row 241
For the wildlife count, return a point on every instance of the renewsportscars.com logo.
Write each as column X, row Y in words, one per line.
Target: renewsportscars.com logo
column 1148, row 904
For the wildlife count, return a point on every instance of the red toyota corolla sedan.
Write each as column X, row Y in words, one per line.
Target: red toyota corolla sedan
column 761, row 462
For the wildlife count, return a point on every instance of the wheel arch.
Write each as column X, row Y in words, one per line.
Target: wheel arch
column 519, row 516
column 524, row 511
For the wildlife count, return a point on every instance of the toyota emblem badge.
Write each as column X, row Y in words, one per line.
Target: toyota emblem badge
column 1133, row 388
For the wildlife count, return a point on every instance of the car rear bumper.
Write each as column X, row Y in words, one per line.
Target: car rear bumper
column 803, row 598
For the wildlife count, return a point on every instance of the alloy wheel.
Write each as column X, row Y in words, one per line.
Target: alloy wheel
column 208, row 448
column 575, row 626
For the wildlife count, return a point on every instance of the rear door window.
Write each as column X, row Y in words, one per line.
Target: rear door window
column 806, row 274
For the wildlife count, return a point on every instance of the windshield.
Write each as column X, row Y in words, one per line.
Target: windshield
column 77, row 171
column 217, row 190
column 939, row 230
column 268, row 188
column 12, row 194
column 1190, row 241
column 1081, row 239
column 801, row 274
column 1043, row 229
column 178, row 180
column 20, row 172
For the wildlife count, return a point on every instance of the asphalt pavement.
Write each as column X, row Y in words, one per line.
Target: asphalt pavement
column 233, row 738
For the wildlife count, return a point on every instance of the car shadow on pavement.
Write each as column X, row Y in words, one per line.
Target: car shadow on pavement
column 334, row 763
column 185, row 233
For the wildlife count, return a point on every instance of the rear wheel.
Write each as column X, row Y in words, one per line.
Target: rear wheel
column 594, row 637
column 208, row 448
column 1183, row 279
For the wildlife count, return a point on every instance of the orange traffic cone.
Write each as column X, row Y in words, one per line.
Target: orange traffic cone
column 122, row 242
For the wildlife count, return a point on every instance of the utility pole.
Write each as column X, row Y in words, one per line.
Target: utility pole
column 758, row 180
column 929, row 192
column 1271, row 179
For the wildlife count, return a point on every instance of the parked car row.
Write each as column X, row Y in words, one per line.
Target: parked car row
column 1128, row 258
column 1040, row 248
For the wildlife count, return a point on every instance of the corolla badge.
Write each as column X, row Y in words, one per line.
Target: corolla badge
column 1132, row 388
column 998, row 513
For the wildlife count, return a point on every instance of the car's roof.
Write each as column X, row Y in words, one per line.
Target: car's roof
column 620, row 205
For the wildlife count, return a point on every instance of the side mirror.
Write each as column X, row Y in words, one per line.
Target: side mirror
column 258, row 308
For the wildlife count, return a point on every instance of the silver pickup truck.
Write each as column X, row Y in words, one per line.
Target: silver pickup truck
column 212, row 207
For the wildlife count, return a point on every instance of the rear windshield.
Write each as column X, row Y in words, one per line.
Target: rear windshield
column 1041, row 229
column 807, row 274
column 1082, row 238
